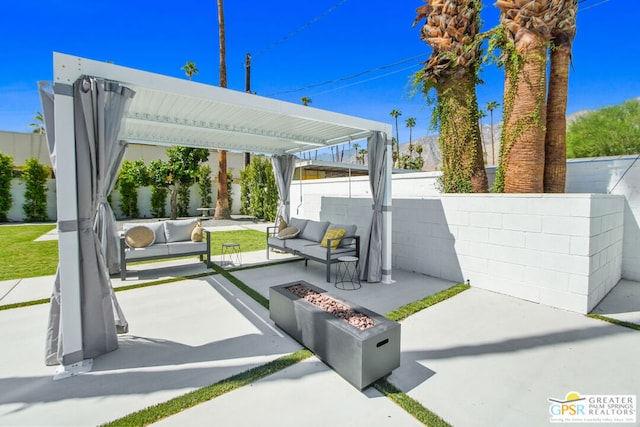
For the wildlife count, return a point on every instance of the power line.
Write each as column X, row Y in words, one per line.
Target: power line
column 353, row 76
column 299, row 30
column 592, row 5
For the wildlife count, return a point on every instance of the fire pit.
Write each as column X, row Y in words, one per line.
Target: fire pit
column 359, row 344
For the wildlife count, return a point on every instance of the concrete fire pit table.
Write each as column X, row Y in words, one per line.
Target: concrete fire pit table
column 361, row 356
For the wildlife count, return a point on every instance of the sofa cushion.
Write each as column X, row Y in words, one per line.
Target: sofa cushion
column 288, row 233
column 155, row 250
column 300, row 245
column 180, row 248
column 139, row 237
column 332, row 233
column 277, row 243
column 317, row 251
column 299, row 223
column 179, row 230
column 350, row 230
column 314, row 230
column 157, row 227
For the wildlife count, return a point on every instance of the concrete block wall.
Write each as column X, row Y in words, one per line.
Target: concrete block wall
column 559, row 250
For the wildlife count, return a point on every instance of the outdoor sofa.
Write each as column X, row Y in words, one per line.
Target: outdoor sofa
column 319, row 241
column 144, row 241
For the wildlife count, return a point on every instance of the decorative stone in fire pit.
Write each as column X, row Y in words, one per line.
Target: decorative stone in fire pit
column 359, row 344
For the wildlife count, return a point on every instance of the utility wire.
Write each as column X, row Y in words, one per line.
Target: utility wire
column 353, row 76
column 299, row 30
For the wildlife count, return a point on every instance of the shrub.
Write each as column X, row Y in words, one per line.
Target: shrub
column 230, row 188
column 132, row 176
column 6, row 172
column 259, row 195
column 35, row 175
column 204, row 186
column 184, row 196
column 158, row 202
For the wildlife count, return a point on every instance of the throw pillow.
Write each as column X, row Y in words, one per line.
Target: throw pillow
column 314, row 230
column 197, row 233
column 282, row 224
column 139, row 237
column 179, row 230
column 288, row 233
column 332, row 233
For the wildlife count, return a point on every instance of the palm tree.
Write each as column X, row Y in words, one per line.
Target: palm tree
column 222, row 202
column 492, row 105
column 481, row 115
column 355, row 147
column 525, row 32
column 410, row 123
column 38, row 125
column 555, row 147
column 306, row 101
column 190, row 69
column 395, row 114
column 452, row 30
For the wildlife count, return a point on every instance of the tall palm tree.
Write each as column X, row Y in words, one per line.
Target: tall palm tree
column 190, row 69
column 481, row 115
column 305, row 101
column 38, row 124
column 555, row 147
column 395, row 114
column 410, row 123
column 452, row 30
column 525, row 32
column 492, row 105
column 222, row 202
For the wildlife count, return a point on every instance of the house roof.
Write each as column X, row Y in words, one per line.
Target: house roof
column 172, row 111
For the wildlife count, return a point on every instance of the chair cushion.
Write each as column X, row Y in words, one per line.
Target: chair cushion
column 288, row 233
column 299, row 223
column 332, row 233
column 139, row 237
column 157, row 228
column 314, row 230
column 350, row 230
column 179, row 230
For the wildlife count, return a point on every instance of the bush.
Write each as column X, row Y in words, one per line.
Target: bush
column 132, row 176
column 230, row 188
column 184, row 196
column 204, row 186
column 611, row 131
column 35, row 176
column 6, row 172
column 259, row 196
column 158, row 202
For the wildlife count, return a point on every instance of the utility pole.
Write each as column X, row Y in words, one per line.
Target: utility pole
column 247, row 88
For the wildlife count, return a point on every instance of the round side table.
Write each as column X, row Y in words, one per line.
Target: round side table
column 348, row 273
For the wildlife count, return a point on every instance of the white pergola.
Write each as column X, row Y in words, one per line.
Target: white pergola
column 169, row 111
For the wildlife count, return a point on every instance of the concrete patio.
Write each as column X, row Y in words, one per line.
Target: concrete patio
column 477, row 359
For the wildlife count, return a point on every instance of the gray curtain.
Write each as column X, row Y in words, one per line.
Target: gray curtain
column 283, row 168
column 99, row 107
column 371, row 248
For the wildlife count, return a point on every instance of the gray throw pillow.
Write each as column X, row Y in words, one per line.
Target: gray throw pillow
column 315, row 230
column 299, row 223
column 179, row 230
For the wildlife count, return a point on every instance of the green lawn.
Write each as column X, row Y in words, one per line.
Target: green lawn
column 22, row 257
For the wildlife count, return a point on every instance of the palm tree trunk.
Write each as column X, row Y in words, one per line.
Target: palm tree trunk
column 222, row 202
column 555, row 166
column 460, row 143
column 522, row 154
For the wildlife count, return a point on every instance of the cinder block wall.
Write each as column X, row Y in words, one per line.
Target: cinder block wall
column 560, row 250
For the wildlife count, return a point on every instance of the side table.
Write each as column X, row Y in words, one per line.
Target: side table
column 231, row 254
column 348, row 273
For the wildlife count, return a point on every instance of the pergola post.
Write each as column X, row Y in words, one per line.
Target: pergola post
column 68, row 243
column 386, row 215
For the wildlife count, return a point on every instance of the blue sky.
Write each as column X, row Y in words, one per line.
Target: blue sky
column 355, row 37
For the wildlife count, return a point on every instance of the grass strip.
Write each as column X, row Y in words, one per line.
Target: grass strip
column 242, row 286
column 118, row 289
column 615, row 321
column 410, row 405
column 416, row 306
column 157, row 412
column 24, row 304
